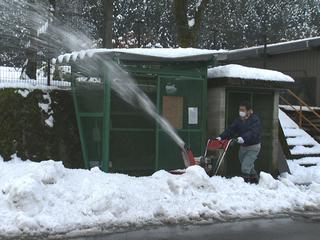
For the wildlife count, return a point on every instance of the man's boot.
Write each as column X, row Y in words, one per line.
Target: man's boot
column 250, row 178
column 254, row 178
column 246, row 178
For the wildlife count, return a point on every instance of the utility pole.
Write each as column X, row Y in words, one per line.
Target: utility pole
column 107, row 23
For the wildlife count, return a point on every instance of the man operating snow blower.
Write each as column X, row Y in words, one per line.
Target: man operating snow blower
column 247, row 131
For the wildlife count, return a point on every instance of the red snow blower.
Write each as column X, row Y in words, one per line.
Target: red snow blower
column 212, row 158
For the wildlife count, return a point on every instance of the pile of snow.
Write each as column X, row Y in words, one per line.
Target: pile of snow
column 238, row 71
column 302, row 142
column 48, row 198
column 305, row 175
column 23, row 92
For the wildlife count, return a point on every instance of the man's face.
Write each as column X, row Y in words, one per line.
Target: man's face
column 243, row 112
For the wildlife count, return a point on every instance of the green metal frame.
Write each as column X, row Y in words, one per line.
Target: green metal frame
column 186, row 71
column 106, row 123
column 76, row 105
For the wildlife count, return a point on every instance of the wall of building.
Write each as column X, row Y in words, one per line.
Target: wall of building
column 303, row 65
column 216, row 110
column 275, row 135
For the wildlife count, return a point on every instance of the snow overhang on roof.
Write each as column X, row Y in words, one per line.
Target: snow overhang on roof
column 241, row 72
column 273, row 49
column 143, row 54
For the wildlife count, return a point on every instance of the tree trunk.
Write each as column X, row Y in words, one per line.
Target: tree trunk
column 188, row 36
column 107, row 23
column 31, row 54
column 31, row 68
column 183, row 31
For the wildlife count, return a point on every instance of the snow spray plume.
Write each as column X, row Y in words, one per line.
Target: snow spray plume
column 53, row 35
column 127, row 89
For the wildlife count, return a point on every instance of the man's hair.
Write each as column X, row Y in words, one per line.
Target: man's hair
column 245, row 104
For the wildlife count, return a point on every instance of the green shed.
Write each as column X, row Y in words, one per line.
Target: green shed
column 119, row 137
column 229, row 85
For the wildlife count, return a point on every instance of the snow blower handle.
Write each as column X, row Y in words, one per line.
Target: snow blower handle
column 206, row 150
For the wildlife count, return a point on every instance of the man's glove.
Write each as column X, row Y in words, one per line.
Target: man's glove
column 240, row 140
column 217, row 138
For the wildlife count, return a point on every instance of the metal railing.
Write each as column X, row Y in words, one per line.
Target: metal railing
column 302, row 105
column 46, row 76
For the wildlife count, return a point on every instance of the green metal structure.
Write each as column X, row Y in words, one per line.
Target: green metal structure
column 259, row 99
column 120, row 138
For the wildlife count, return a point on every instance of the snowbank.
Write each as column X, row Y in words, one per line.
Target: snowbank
column 238, row 71
column 305, row 175
column 48, row 198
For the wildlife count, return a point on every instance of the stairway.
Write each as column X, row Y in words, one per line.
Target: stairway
column 300, row 144
column 293, row 113
column 307, row 117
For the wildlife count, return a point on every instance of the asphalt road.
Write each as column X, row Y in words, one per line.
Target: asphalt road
column 295, row 227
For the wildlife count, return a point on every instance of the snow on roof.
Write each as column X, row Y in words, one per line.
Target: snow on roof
column 278, row 44
column 239, row 71
column 161, row 53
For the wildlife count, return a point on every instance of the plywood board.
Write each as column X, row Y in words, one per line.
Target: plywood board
column 172, row 110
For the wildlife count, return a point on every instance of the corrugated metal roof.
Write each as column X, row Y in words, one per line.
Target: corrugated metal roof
column 272, row 49
column 143, row 54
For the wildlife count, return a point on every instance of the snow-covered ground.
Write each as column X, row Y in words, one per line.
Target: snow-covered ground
column 11, row 78
column 48, row 198
column 303, row 175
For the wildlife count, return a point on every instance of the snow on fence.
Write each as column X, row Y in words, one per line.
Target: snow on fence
column 12, row 77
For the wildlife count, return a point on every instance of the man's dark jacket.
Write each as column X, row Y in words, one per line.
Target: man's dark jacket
column 249, row 129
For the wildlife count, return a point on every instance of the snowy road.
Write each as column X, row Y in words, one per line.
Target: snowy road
column 296, row 227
